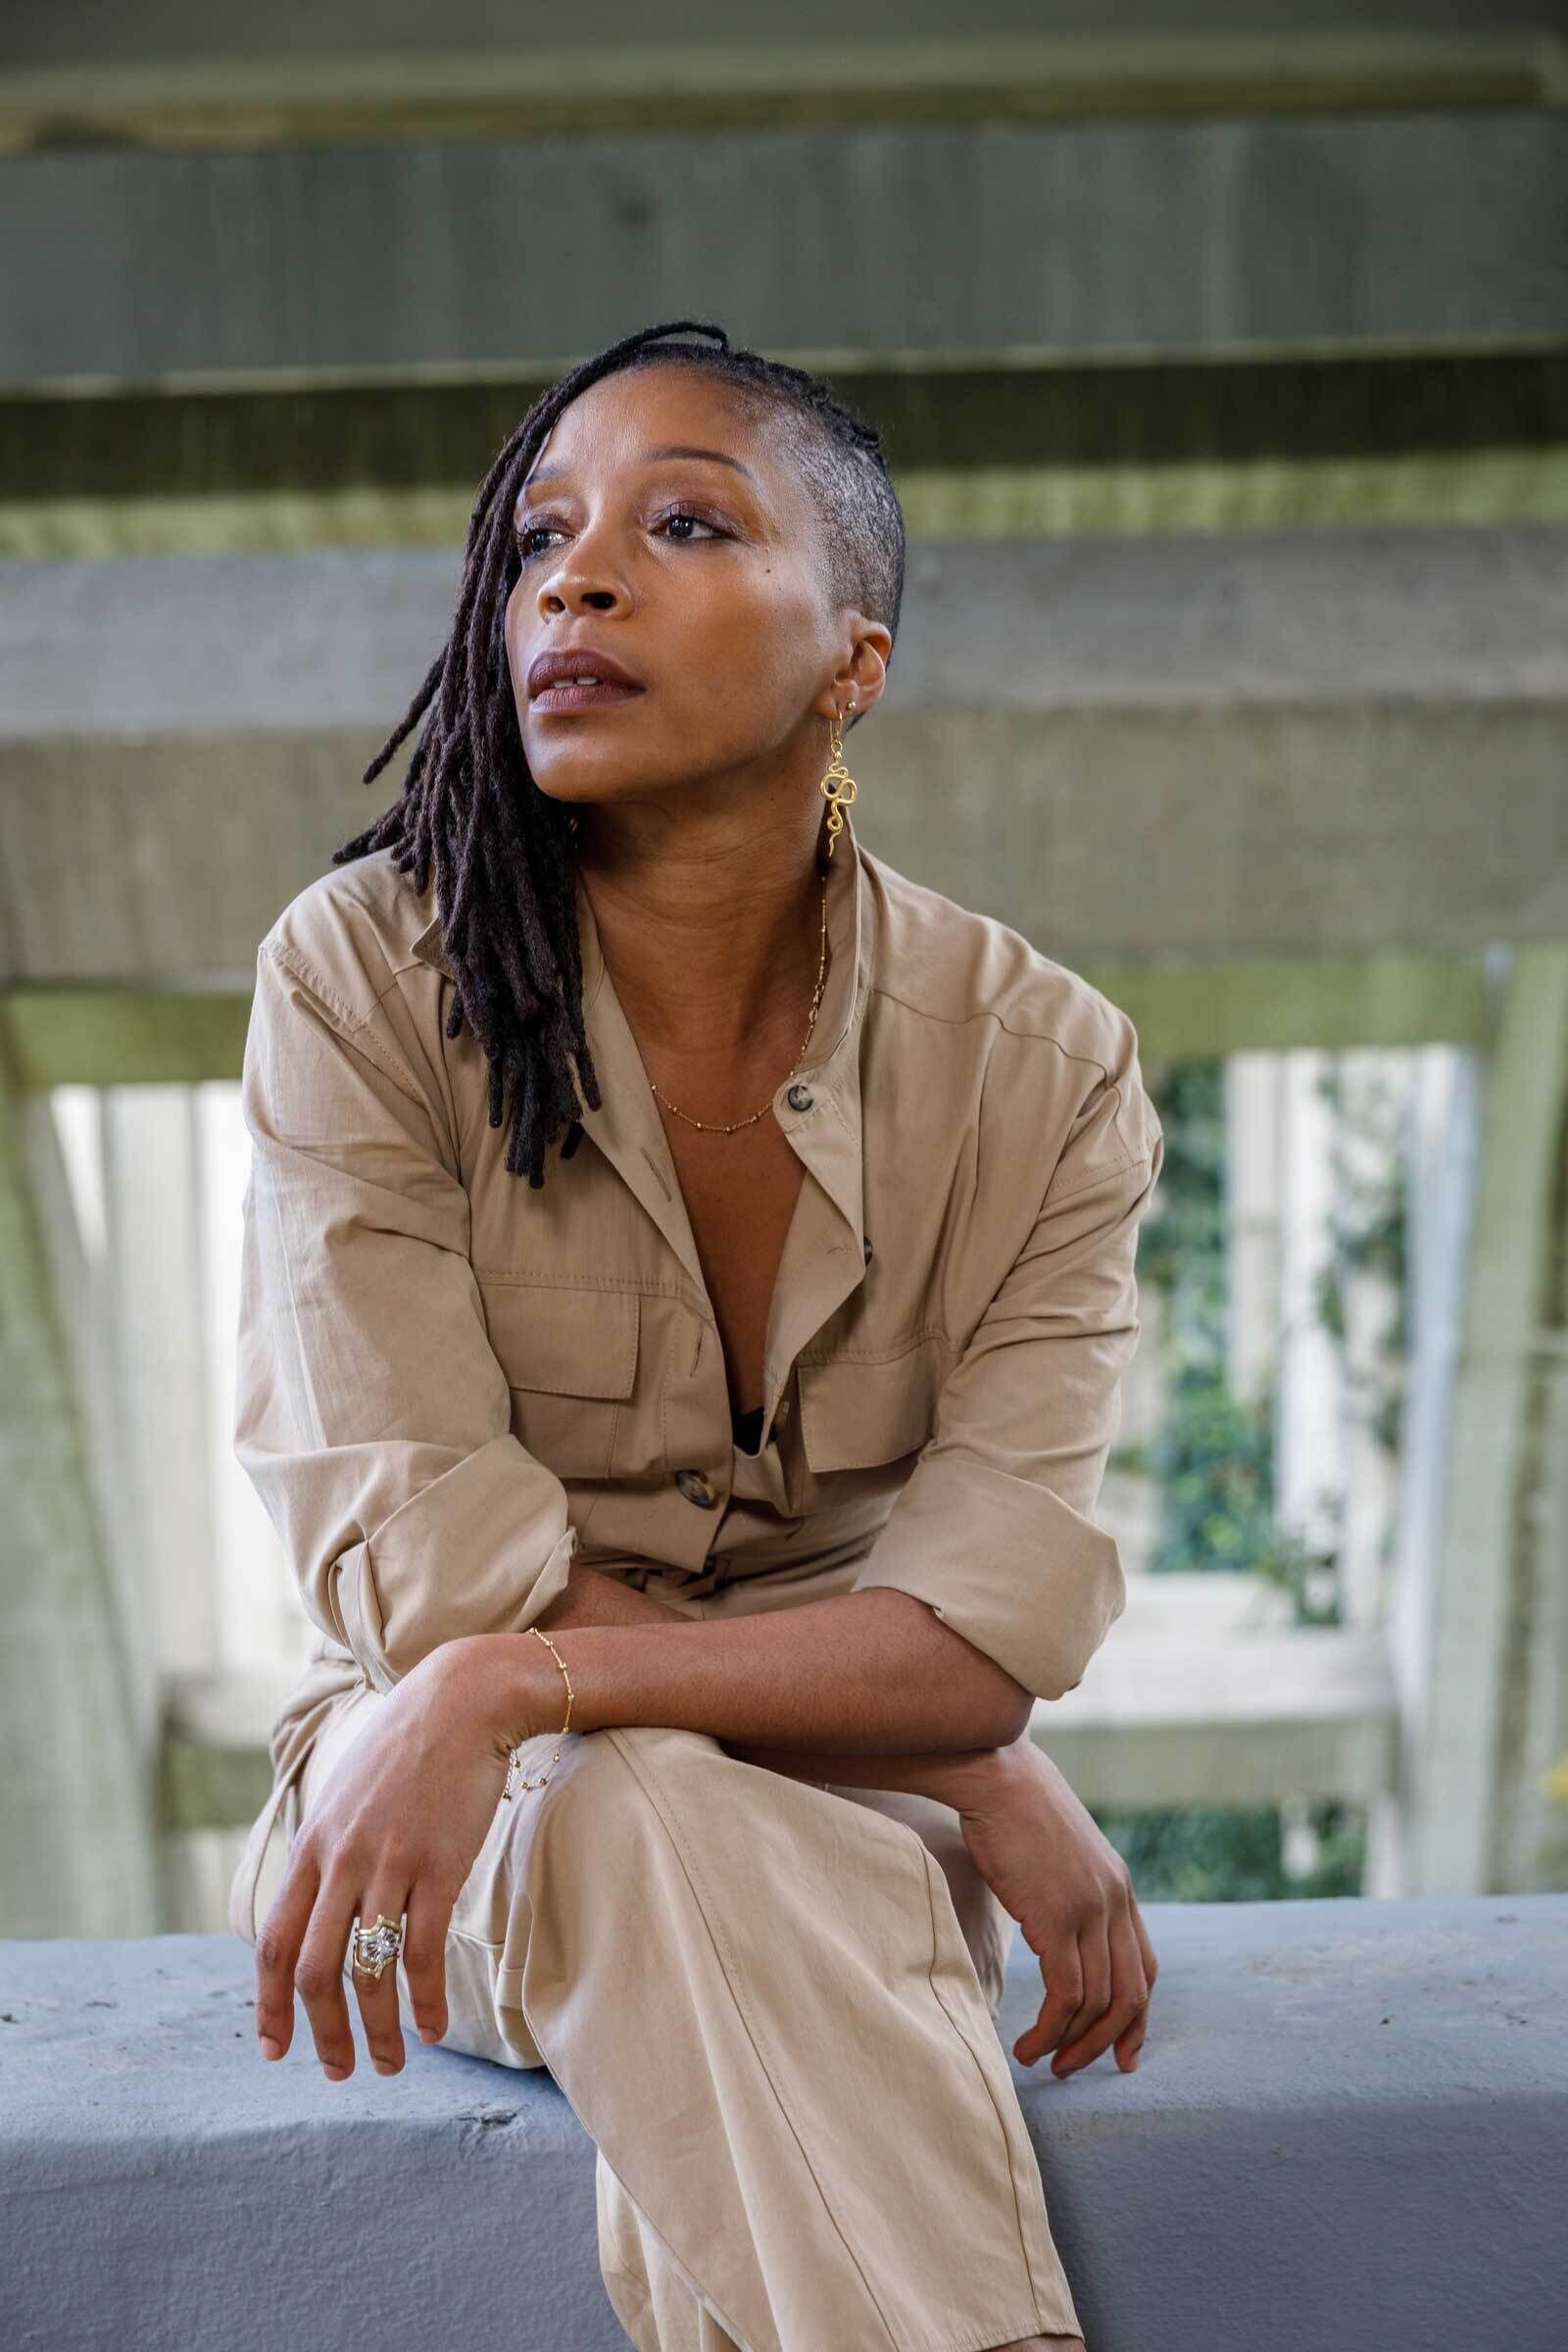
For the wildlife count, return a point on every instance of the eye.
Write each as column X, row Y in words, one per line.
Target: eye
column 532, row 531
column 685, row 515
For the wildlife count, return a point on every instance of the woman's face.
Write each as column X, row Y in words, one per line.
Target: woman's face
column 702, row 576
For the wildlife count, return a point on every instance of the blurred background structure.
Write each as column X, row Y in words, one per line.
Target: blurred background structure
column 1223, row 368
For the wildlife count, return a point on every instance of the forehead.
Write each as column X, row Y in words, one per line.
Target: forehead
column 637, row 418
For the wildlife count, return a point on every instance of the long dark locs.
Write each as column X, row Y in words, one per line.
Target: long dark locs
column 501, row 849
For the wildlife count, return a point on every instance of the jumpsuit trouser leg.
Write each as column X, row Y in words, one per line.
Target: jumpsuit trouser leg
column 761, row 2003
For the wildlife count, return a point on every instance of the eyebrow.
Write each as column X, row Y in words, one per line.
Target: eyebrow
column 670, row 449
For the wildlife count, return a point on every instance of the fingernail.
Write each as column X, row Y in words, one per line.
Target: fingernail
column 270, row 2048
column 429, row 2033
column 384, row 2066
column 334, row 2073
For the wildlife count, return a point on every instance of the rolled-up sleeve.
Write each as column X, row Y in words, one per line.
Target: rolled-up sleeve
column 995, row 1528
column 372, row 1415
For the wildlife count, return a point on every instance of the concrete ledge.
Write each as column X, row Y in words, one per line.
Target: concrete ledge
column 1350, row 2127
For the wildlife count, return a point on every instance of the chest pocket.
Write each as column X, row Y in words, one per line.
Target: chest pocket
column 570, row 1360
column 856, row 1415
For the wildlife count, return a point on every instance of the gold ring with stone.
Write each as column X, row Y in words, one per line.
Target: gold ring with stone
column 376, row 1948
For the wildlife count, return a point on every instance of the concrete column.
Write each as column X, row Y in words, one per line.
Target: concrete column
column 78, row 1841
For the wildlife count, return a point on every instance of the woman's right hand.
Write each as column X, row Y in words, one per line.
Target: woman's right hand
column 1041, row 1853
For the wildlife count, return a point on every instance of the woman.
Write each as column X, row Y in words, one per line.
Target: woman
column 771, row 1411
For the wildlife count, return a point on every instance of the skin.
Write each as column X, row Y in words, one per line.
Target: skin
column 700, row 830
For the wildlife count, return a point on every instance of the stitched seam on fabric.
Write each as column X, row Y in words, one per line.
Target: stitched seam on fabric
column 411, row 966
column 708, row 1914
column 684, row 2270
column 358, row 1032
column 983, row 2339
column 985, row 1013
column 1037, row 1036
column 867, row 1355
column 480, row 1943
column 532, row 1278
column 292, row 960
column 929, row 1864
column 1133, row 1160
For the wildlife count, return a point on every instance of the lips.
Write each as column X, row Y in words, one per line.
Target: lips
column 570, row 694
column 564, row 665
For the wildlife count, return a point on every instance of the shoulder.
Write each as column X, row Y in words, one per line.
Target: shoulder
column 947, row 966
column 351, row 932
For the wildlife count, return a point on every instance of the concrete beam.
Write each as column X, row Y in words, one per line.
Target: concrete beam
column 1056, row 450
column 1264, row 747
column 1202, row 836
column 306, row 644
column 1107, row 238
column 69, row 1034
column 304, row 33
column 155, row 1036
column 537, row 86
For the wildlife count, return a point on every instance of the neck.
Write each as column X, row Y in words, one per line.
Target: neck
column 714, row 943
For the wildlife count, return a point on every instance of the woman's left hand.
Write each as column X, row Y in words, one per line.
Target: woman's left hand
column 395, row 1830
column 1043, row 1855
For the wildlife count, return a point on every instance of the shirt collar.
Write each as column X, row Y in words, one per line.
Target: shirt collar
column 823, row 1121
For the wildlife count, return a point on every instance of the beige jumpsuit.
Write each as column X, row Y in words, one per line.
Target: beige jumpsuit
column 770, row 2001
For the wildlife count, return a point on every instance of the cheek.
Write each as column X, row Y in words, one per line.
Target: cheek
column 756, row 644
column 509, row 619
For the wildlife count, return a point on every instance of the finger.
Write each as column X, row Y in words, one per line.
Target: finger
column 1128, row 2001
column 1093, row 1948
column 378, row 1994
column 277, row 1946
column 319, row 1972
column 1150, row 1962
column 1061, row 1968
column 1130, row 2043
column 424, row 1958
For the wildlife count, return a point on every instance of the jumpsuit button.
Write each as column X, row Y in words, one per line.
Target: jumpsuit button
column 696, row 1489
column 800, row 1097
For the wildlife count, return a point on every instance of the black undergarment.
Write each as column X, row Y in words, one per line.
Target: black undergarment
column 747, row 1428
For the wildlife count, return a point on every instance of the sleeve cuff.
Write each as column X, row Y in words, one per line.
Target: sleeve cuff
column 1007, row 1563
column 454, row 1559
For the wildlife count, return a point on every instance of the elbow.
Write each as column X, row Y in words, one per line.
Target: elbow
column 1005, row 1719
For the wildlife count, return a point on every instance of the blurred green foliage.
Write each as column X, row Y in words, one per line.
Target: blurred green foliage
column 1212, row 1460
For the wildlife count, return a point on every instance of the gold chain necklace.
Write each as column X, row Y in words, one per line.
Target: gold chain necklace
column 729, row 1126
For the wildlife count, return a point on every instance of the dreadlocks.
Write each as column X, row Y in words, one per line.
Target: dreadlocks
column 501, row 849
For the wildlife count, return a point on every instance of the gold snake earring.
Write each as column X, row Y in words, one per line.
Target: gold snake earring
column 838, row 785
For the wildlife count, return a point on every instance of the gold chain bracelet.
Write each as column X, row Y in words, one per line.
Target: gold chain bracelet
column 512, row 1765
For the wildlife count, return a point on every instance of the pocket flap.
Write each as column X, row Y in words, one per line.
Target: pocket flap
column 569, row 1341
column 855, row 1415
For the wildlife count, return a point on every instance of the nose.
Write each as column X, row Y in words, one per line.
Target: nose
column 581, row 581
column 572, row 596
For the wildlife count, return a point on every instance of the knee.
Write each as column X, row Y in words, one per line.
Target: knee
column 608, row 1789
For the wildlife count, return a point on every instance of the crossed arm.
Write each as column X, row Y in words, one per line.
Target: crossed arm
column 869, row 1689
column 889, row 1701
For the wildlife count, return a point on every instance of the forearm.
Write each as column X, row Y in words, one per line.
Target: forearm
column 872, row 1675
column 591, row 1598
